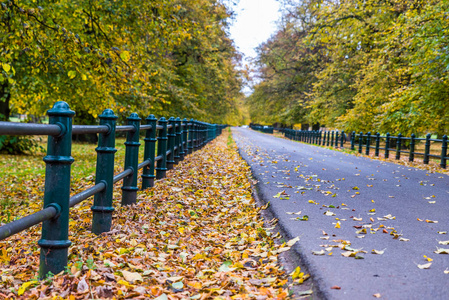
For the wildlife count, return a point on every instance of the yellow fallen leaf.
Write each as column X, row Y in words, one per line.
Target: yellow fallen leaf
column 443, row 242
column 427, row 258
column 377, row 295
column 337, row 225
column 430, row 221
column 25, row 286
column 379, row 252
column 446, row 271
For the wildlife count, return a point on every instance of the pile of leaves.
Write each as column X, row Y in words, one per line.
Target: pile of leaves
column 197, row 234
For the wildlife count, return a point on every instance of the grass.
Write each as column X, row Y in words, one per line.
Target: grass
column 24, row 175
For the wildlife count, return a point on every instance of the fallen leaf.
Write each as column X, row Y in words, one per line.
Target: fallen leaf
column 321, row 252
column 132, row 277
column 377, row 295
column 292, row 241
column 380, row 252
column 336, row 287
column 441, row 251
column 425, row 266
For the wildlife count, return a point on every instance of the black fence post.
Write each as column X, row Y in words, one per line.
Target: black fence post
column 353, row 140
column 398, row 146
column 411, row 155
column 129, row 188
column 178, row 140
column 368, row 142
column 102, row 208
column 376, row 152
column 55, row 232
column 183, row 151
column 328, row 137
column 171, row 143
column 443, row 152
column 149, row 153
column 360, row 142
column 387, row 145
column 336, row 139
column 161, row 167
column 342, row 138
column 195, row 135
column 190, row 146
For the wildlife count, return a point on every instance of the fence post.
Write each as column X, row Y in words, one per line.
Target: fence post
column 328, row 137
column 360, row 142
column 443, row 152
column 149, row 153
column 183, row 152
column 353, row 140
column 191, row 137
column 161, row 167
column 342, row 138
column 336, row 139
column 102, row 208
column 129, row 188
column 398, row 146
column 55, row 232
column 368, row 142
column 178, row 140
column 411, row 156
column 171, row 143
column 387, row 145
column 427, row 149
column 376, row 152
column 195, row 135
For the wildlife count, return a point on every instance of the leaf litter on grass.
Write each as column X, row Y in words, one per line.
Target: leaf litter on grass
column 196, row 234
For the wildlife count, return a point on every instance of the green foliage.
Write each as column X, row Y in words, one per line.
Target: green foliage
column 358, row 65
column 161, row 57
column 18, row 145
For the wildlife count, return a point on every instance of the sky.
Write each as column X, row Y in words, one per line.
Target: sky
column 254, row 24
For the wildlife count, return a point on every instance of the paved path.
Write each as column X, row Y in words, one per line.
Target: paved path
column 357, row 194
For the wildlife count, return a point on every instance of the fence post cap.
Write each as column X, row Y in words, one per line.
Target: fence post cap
column 162, row 120
column 184, row 120
column 151, row 118
column 133, row 117
column 178, row 119
column 171, row 119
column 61, row 108
column 428, row 135
column 108, row 114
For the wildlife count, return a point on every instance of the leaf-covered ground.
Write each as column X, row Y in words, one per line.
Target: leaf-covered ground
column 197, row 234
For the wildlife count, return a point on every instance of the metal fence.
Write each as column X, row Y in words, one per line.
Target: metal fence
column 365, row 142
column 264, row 129
column 175, row 139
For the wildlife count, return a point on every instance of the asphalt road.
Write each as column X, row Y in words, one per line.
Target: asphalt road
column 377, row 205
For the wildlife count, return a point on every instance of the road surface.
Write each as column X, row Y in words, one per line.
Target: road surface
column 344, row 208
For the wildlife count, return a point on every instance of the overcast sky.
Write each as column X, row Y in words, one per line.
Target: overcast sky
column 254, row 24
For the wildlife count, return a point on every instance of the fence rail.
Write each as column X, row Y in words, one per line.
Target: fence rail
column 365, row 142
column 264, row 129
column 175, row 138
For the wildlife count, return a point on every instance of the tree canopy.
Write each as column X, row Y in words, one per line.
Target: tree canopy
column 161, row 57
column 357, row 65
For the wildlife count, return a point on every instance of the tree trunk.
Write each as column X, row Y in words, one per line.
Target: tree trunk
column 5, row 96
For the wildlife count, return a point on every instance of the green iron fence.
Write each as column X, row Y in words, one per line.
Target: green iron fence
column 264, row 129
column 175, row 139
column 365, row 142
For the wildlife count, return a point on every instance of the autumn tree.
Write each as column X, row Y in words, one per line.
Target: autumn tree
column 148, row 57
